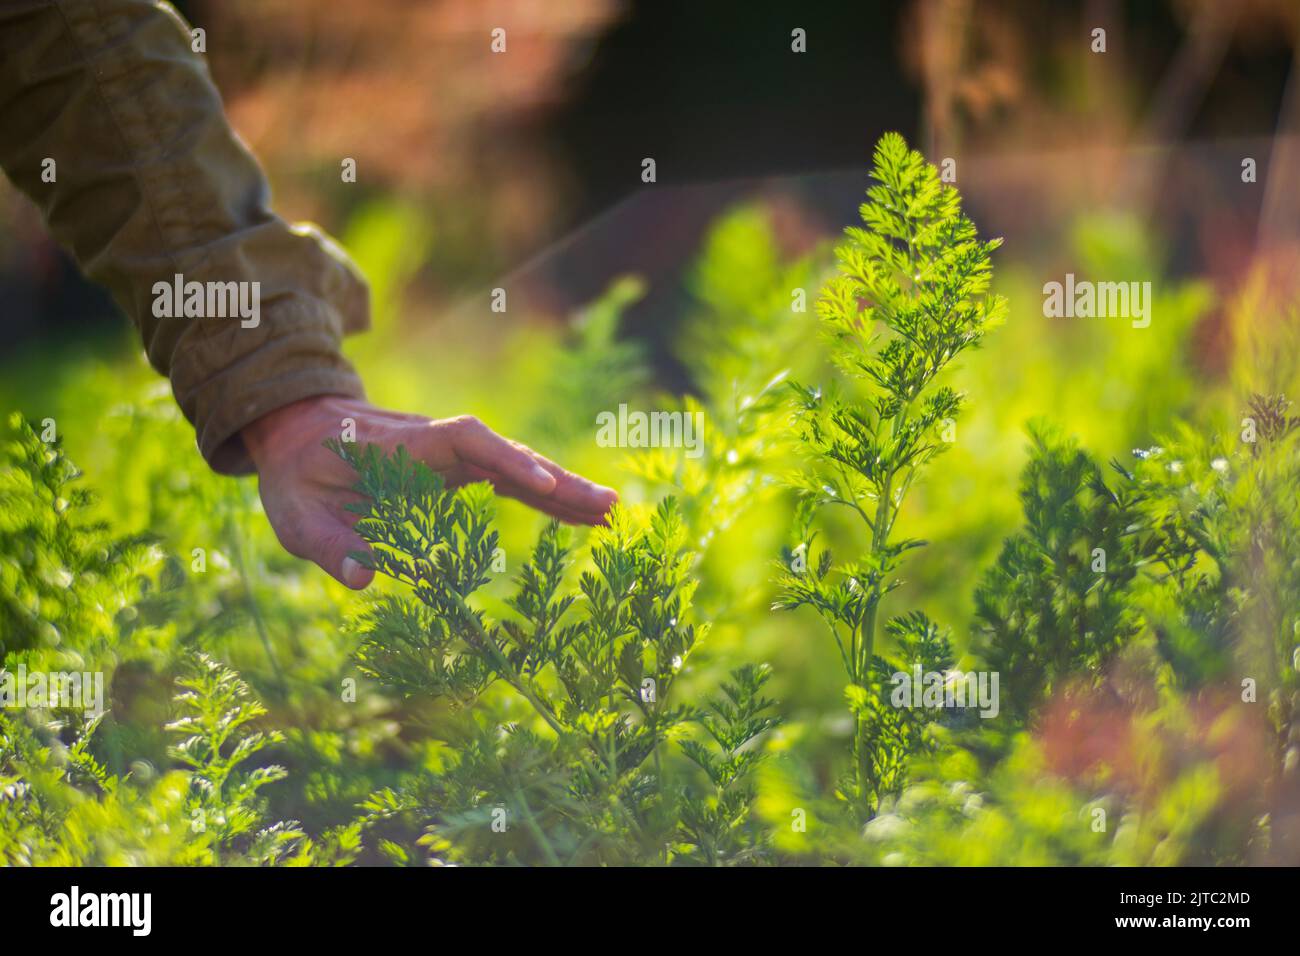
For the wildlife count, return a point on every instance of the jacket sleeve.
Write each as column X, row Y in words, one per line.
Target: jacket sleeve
column 149, row 182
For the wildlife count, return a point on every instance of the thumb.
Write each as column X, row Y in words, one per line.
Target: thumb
column 328, row 542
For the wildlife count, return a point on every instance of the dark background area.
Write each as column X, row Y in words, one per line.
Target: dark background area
column 713, row 92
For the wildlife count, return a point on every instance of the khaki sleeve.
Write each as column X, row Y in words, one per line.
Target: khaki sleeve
column 149, row 182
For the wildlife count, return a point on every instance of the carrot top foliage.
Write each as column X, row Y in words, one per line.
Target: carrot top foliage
column 912, row 294
column 586, row 779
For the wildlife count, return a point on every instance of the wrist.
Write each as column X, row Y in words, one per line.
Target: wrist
column 281, row 429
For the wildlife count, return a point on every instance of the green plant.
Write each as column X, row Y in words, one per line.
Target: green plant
column 83, row 789
column 1145, row 624
column 718, row 826
column 60, row 806
column 63, row 577
column 584, row 780
column 1183, row 549
column 1058, row 603
column 912, row 295
column 215, row 737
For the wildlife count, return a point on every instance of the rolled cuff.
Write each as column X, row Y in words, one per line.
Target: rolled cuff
column 293, row 354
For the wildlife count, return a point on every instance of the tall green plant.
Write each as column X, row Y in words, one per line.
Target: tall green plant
column 912, row 295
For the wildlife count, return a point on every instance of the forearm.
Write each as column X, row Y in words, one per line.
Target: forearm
column 148, row 182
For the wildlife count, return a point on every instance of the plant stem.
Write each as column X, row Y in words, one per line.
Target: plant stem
column 515, row 680
column 539, row 835
column 867, row 644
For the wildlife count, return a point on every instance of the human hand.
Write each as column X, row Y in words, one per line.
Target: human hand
column 304, row 486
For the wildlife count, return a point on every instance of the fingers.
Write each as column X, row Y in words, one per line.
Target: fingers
column 464, row 449
column 577, row 494
column 327, row 540
column 547, row 504
column 574, row 500
column 519, row 471
column 476, row 444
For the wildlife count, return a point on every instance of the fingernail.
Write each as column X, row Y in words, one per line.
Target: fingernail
column 544, row 477
column 354, row 575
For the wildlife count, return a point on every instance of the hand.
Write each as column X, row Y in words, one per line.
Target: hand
column 304, row 486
